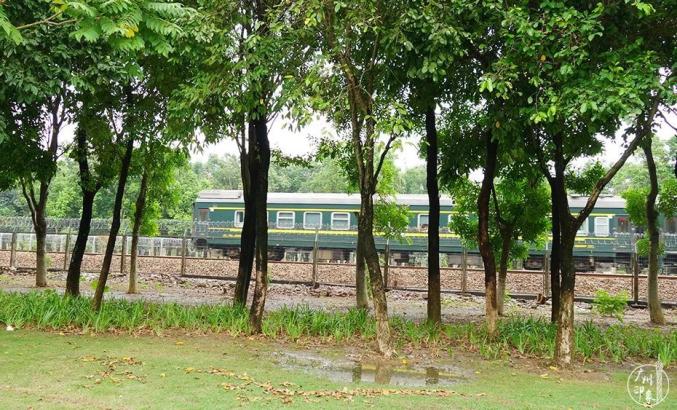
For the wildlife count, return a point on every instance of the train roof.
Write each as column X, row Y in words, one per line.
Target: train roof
column 235, row 196
column 579, row 201
column 230, row 196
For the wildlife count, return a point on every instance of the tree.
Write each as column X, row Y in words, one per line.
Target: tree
column 412, row 181
column 137, row 112
column 38, row 84
column 95, row 157
column 157, row 164
column 635, row 174
column 127, row 24
column 64, row 190
column 242, row 82
column 34, row 95
column 643, row 209
column 578, row 87
column 474, row 125
column 354, row 90
column 425, row 46
column 513, row 227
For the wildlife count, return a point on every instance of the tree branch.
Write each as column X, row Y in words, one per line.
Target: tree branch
column 641, row 131
column 381, row 160
column 500, row 220
column 49, row 20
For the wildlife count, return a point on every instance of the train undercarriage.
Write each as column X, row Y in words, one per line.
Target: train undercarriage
column 620, row 262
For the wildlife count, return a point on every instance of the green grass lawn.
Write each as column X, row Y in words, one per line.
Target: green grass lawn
column 49, row 370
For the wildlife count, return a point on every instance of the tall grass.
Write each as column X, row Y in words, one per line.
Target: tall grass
column 517, row 335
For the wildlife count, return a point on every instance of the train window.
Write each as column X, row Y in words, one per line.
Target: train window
column 601, row 226
column 203, row 214
column 623, row 225
column 583, row 230
column 423, row 221
column 340, row 221
column 312, row 220
column 239, row 219
column 285, row 219
column 671, row 225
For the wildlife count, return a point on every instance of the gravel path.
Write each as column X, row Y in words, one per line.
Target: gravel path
column 166, row 288
column 520, row 282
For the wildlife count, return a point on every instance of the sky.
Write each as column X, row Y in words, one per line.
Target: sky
column 295, row 143
column 300, row 143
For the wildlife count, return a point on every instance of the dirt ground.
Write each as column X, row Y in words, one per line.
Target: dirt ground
column 170, row 288
column 518, row 283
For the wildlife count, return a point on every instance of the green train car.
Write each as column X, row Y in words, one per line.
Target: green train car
column 299, row 220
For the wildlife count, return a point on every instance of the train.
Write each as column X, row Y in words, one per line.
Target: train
column 301, row 222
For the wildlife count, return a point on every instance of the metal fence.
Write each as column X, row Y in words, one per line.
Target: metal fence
column 179, row 256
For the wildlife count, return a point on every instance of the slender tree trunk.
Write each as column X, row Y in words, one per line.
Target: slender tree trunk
column 362, row 300
column 261, row 286
column 249, row 171
column 80, row 246
column 37, row 207
column 89, row 190
column 41, row 249
column 247, row 251
column 434, row 298
column 484, row 241
column 115, row 225
column 564, row 345
column 655, row 309
column 366, row 229
column 506, row 242
column 136, row 228
column 555, row 251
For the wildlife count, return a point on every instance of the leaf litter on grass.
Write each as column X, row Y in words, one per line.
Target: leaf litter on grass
column 115, row 369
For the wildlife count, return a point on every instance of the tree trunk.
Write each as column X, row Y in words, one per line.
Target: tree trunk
column 138, row 220
column 89, row 190
column 249, row 172
column 434, row 298
column 115, row 225
column 484, row 241
column 564, row 343
column 503, row 269
column 362, row 300
column 655, row 310
column 41, row 249
column 366, row 230
column 261, row 286
column 247, row 251
column 37, row 207
column 555, row 251
column 73, row 277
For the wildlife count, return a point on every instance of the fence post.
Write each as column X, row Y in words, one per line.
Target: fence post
column 634, row 261
column 123, row 252
column 183, row 254
column 65, row 250
column 634, row 265
column 546, row 276
column 315, row 252
column 386, row 265
column 12, row 251
column 464, row 271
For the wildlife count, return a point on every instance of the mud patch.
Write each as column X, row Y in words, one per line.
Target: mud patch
column 388, row 373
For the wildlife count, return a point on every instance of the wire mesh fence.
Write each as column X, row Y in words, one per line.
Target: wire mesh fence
column 310, row 260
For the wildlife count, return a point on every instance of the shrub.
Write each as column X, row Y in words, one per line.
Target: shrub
column 524, row 335
column 610, row 305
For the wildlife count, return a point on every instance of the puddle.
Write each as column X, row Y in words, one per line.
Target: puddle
column 385, row 373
